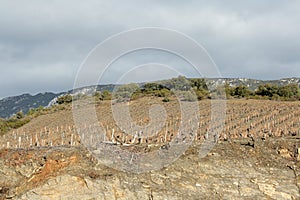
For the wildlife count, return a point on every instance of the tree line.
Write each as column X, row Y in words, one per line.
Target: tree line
column 288, row 92
column 196, row 89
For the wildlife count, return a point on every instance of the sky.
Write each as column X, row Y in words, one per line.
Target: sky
column 44, row 43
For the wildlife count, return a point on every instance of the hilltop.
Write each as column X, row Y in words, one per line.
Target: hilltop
column 25, row 102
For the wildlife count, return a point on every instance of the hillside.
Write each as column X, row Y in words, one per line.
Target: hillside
column 256, row 156
column 25, row 102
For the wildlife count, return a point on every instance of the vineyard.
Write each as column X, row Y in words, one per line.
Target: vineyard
column 255, row 119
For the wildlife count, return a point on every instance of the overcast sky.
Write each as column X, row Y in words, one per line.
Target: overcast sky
column 43, row 43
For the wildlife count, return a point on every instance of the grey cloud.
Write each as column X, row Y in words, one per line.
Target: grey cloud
column 42, row 44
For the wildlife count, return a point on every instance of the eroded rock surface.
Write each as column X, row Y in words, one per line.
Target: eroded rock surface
column 232, row 170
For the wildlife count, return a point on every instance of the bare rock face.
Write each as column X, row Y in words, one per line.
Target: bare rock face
column 231, row 171
column 72, row 187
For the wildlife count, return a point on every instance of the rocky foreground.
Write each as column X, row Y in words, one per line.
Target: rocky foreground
column 236, row 169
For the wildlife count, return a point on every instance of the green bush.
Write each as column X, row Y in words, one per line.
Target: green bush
column 242, row 91
column 276, row 97
column 3, row 126
column 19, row 115
column 64, row 99
column 199, row 83
column 201, row 94
column 163, row 92
column 166, row 99
column 35, row 111
column 128, row 91
column 106, row 95
column 136, row 95
column 150, row 88
column 287, row 92
column 13, row 124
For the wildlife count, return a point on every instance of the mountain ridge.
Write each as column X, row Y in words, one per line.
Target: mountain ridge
column 25, row 102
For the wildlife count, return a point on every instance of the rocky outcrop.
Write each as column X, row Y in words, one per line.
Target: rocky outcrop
column 231, row 171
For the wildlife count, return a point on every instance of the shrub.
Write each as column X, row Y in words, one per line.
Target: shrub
column 149, row 88
column 64, row 99
column 276, row 97
column 187, row 96
column 163, row 92
column 106, row 95
column 12, row 123
column 35, row 111
column 166, row 99
column 3, row 126
column 242, row 91
column 19, row 115
column 201, row 94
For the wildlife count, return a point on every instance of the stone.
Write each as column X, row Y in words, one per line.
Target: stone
column 231, row 172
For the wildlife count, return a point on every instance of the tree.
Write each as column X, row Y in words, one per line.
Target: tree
column 267, row 90
column 126, row 91
column 199, row 83
column 242, row 91
column 179, row 83
column 201, row 94
column 289, row 91
column 229, row 91
column 163, row 92
column 150, row 87
column 106, row 95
